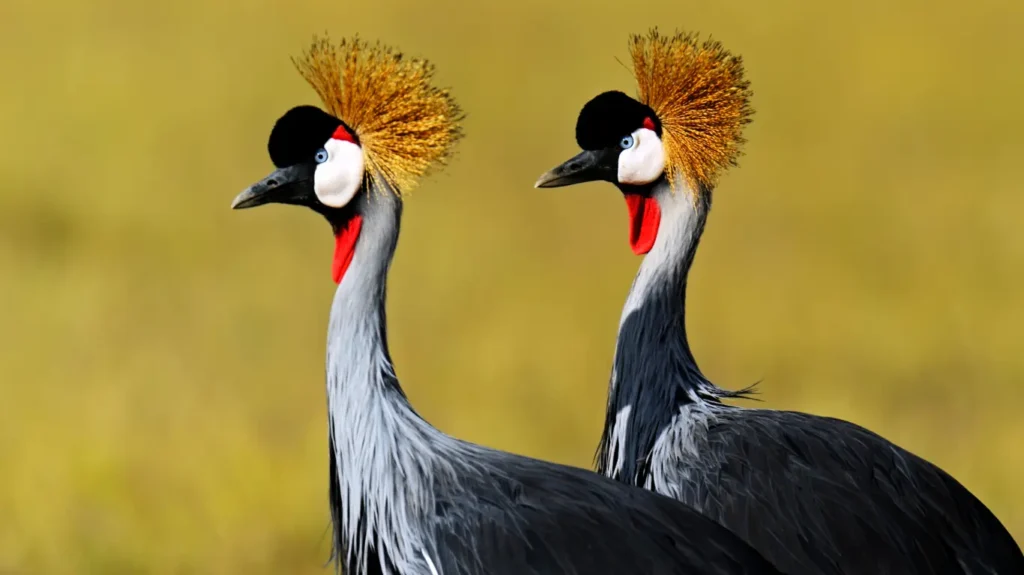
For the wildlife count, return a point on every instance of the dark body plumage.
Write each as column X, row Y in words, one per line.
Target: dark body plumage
column 812, row 494
column 565, row 521
column 530, row 517
column 515, row 515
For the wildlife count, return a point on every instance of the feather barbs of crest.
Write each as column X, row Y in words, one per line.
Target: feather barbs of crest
column 698, row 91
column 405, row 124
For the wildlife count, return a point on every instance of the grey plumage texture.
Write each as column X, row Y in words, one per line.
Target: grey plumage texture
column 408, row 499
column 812, row 494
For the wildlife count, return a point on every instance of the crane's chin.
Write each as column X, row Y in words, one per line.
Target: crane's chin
column 644, row 220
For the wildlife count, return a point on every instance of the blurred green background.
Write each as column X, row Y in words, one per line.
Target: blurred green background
column 161, row 357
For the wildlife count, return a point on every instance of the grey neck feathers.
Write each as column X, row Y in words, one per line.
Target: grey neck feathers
column 382, row 452
column 654, row 374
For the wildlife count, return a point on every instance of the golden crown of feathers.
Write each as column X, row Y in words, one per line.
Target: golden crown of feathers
column 698, row 91
column 405, row 124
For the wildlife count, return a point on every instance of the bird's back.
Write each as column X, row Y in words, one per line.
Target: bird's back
column 822, row 495
column 515, row 515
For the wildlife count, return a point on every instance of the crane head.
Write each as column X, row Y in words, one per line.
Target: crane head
column 685, row 127
column 319, row 163
column 385, row 126
column 621, row 142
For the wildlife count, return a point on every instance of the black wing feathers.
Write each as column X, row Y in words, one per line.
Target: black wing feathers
column 556, row 519
column 816, row 494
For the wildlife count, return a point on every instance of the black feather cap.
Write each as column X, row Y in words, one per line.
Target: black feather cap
column 299, row 133
column 608, row 117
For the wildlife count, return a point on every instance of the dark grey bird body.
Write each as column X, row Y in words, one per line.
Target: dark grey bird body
column 812, row 494
column 406, row 498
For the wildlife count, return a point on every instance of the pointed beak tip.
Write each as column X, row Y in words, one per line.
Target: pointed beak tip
column 587, row 166
column 545, row 181
column 244, row 200
column 249, row 197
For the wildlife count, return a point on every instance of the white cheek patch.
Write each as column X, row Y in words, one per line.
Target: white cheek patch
column 337, row 180
column 645, row 161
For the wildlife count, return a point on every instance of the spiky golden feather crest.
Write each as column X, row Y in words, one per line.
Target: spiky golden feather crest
column 698, row 91
column 405, row 124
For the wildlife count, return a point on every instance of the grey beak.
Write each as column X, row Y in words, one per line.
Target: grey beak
column 587, row 166
column 290, row 185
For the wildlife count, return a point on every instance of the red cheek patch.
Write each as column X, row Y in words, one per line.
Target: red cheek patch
column 345, row 247
column 644, row 219
column 342, row 134
column 649, row 124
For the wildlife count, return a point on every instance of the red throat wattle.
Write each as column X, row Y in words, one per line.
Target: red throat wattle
column 345, row 247
column 644, row 218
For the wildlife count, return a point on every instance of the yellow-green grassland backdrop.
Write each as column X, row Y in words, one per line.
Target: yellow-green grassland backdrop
column 161, row 357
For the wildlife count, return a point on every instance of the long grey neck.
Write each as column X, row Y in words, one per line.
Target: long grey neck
column 654, row 373
column 357, row 348
column 379, row 445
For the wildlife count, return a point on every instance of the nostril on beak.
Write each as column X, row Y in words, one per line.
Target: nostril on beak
column 271, row 182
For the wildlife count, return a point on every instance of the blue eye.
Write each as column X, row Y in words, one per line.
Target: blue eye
column 321, row 156
column 626, row 142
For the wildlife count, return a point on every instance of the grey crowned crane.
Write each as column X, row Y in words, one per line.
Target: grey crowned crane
column 812, row 494
column 405, row 498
